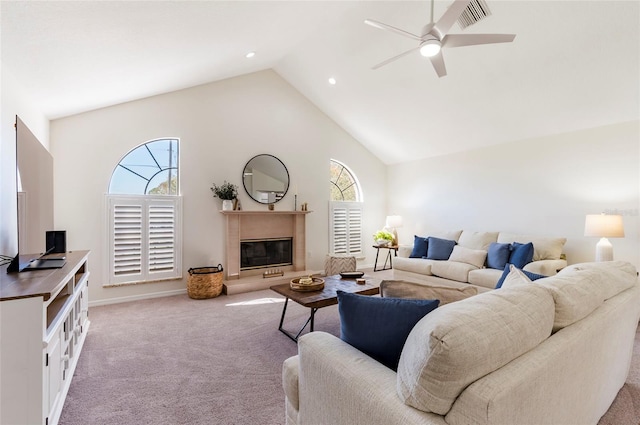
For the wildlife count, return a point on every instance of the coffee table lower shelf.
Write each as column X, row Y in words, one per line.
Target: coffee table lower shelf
column 325, row 297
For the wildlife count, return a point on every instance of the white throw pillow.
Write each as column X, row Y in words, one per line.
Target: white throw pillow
column 477, row 240
column 475, row 257
column 515, row 278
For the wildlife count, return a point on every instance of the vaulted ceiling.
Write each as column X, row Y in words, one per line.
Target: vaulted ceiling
column 573, row 64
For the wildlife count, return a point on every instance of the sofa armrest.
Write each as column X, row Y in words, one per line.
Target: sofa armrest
column 339, row 384
column 290, row 372
column 404, row 250
column 290, row 380
column 546, row 267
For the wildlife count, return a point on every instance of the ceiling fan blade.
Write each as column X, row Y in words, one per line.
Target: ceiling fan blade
column 395, row 57
column 386, row 27
column 438, row 64
column 451, row 15
column 460, row 40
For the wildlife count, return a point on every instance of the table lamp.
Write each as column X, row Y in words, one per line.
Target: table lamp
column 604, row 226
column 393, row 222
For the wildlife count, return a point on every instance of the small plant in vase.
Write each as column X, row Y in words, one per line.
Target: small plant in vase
column 227, row 192
column 382, row 238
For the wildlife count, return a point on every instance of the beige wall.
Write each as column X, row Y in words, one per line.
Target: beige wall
column 221, row 126
column 542, row 186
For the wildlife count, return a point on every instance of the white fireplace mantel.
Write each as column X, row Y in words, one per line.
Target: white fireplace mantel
column 241, row 225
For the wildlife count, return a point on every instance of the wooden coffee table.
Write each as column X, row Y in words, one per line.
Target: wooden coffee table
column 324, row 297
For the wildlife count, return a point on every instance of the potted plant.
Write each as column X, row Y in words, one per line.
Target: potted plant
column 227, row 192
column 382, row 238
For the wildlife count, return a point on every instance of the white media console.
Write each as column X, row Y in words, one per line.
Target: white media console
column 43, row 324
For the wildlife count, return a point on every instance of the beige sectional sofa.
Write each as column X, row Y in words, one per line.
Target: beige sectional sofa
column 552, row 351
column 547, row 259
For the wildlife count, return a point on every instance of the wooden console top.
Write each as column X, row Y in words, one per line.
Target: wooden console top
column 39, row 283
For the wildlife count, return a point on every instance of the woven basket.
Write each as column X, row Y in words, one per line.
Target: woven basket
column 204, row 282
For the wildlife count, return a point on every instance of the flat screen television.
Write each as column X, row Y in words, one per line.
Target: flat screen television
column 34, row 191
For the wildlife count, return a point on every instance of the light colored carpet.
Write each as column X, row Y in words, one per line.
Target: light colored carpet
column 176, row 361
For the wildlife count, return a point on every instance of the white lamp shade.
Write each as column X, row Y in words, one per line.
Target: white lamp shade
column 394, row 221
column 604, row 226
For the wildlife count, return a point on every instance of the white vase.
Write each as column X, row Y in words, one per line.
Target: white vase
column 227, row 205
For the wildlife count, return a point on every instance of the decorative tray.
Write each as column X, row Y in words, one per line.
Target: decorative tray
column 317, row 284
column 351, row 275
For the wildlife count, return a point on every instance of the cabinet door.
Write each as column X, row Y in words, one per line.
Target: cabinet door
column 54, row 370
column 84, row 303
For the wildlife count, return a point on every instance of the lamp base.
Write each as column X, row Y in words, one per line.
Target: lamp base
column 604, row 250
column 393, row 231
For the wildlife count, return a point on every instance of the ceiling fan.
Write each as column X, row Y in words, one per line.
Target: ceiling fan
column 435, row 37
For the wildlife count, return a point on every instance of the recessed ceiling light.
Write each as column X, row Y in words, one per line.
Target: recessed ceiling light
column 250, row 55
column 332, row 81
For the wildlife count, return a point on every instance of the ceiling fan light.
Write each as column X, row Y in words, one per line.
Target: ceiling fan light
column 430, row 48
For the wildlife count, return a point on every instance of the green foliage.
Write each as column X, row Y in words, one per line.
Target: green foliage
column 225, row 191
column 165, row 189
column 382, row 234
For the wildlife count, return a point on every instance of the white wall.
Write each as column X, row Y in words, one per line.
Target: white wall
column 14, row 100
column 221, row 126
column 542, row 186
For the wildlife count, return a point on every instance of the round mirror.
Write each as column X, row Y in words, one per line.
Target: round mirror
column 265, row 178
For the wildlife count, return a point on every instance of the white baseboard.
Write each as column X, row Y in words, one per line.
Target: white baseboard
column 137, row 297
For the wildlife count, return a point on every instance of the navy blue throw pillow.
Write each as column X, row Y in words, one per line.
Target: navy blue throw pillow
column 439, row 249
column 521, row 254
column 498, row 255
column 378, row 326
column 419, row 247
column 507, row 269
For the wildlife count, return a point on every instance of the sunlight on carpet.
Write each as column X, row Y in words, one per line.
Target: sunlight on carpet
column 257, row 302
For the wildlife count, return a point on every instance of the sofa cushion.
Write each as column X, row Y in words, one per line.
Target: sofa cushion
column 439, row 249
column 450, row 348
column 616, row 276
column 379, row 326
column 475, row 257
column 498, row 255
column 419, row 247
column 543, row 248
column 581, row 288
column 453, row 235
column 477, row 240
column 414, row 265
column 425, row 291
column 515, row 275
column 521, row 254
column 486, row 278
column 452, row 270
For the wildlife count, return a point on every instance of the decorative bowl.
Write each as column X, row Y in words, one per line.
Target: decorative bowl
column 351, row 275
column 382, row 242
column 317, row 284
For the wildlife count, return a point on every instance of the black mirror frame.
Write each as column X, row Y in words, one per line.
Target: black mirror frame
column 288, row 182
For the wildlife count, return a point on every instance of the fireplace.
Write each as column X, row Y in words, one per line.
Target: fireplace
column 247, row 226
column 263, row 253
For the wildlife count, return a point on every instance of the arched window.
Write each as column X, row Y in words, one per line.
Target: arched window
column 145, row 212
column 149, row 169
column 344, row 185
column 345, row 210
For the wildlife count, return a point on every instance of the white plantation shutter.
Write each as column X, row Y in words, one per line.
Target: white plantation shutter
column 162, row 219
column 345, row 227
column 144, row 238
column 127, row 239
